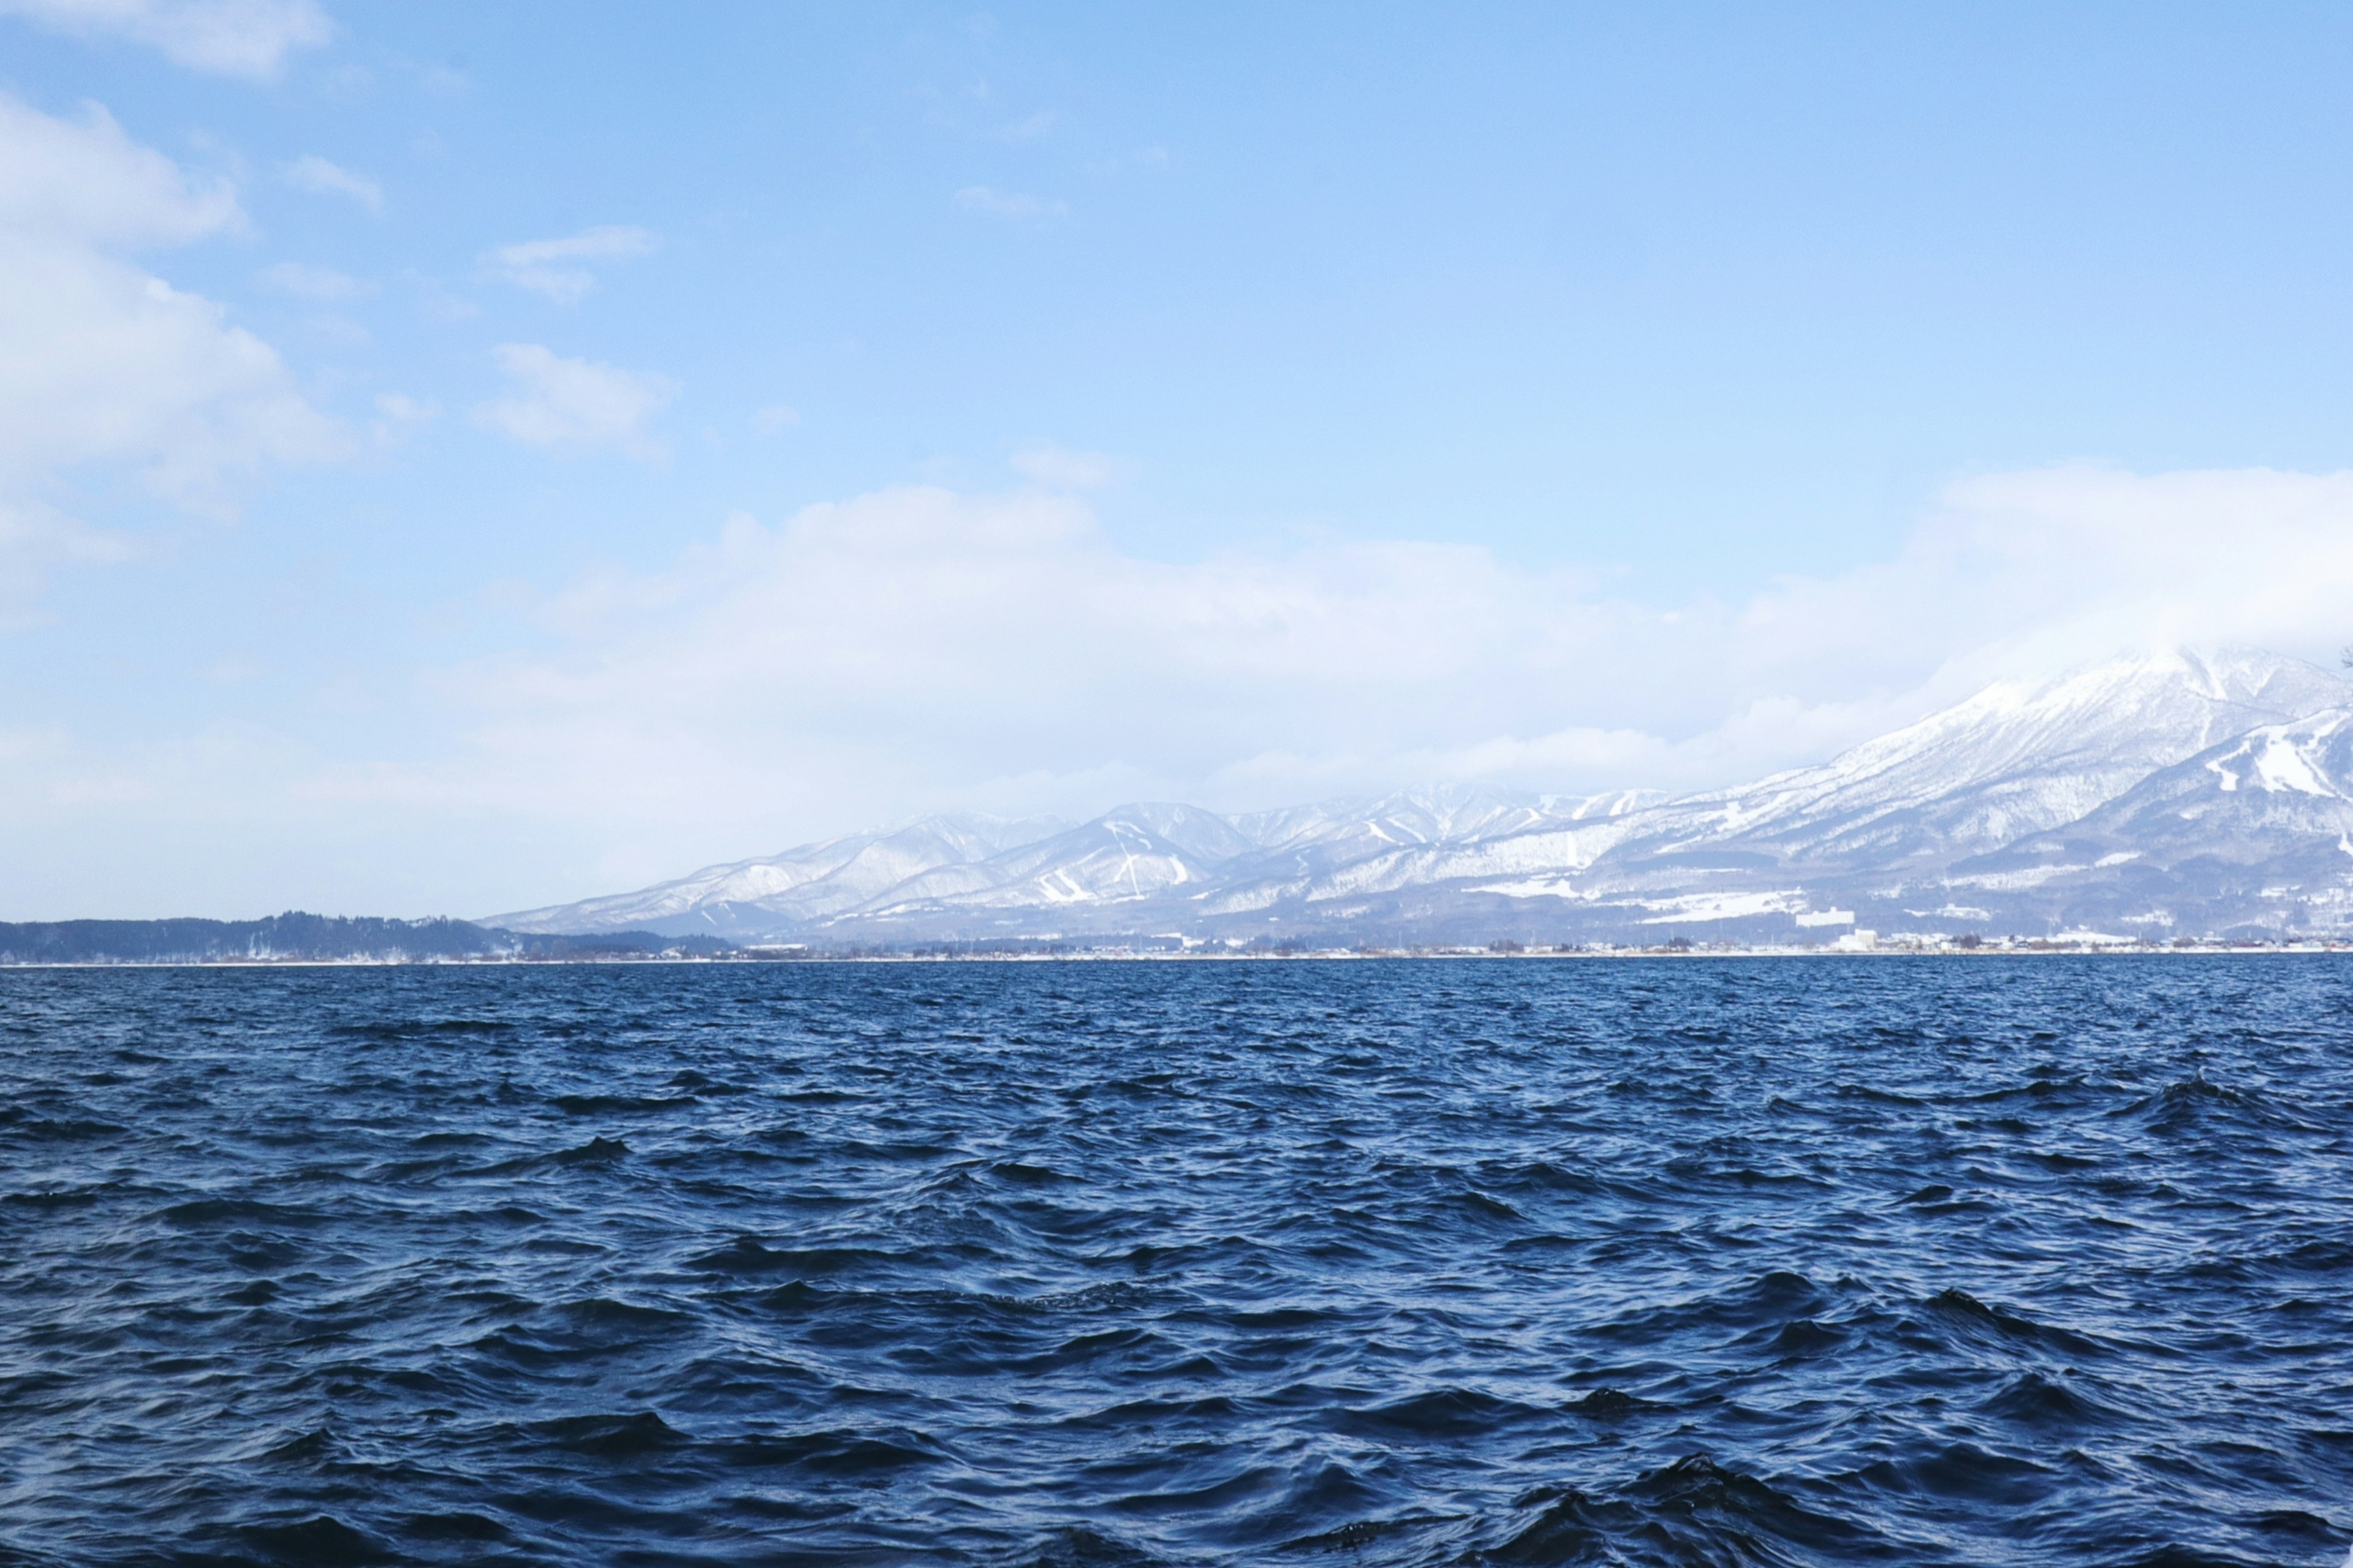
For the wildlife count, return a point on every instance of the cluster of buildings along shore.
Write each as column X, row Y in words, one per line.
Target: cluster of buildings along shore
column 1053, row 950
column 1851, row 942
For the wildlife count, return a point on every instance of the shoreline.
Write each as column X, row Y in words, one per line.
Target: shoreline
column 2041, row 949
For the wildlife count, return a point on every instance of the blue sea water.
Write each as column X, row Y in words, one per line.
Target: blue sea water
column 1943, row 1261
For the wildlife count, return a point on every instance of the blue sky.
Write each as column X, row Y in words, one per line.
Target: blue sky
column 1244, row 404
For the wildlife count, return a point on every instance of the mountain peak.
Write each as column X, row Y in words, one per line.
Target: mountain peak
column 1966, row 803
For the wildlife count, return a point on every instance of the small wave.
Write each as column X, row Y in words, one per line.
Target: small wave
column 64, row 1129
column 455, row 1525
column 55, row 1198
column 1612, row 1404
column 619, row 1104
column 750, row 1255
column 1355, row 1537
column 2049, row 1404
column 1078, row 1547
column 1542, row 1175
column 615, row 1437
column 595, row 1151
column 323, row 1540
column 206, row 1211
column 602, row 1313
column 1807, row 1337
column 391, row 1031
column 834, row 1453
column 1436, row 1413
column 1113, row 1296
column 1967, row 1473
column 1569, row 1528
column 2196, row 1103
column 1024, row 1175
column 1957, row 1307
column 1696, row 1486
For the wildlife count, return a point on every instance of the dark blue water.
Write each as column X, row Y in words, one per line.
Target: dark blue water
column 1985, row 1262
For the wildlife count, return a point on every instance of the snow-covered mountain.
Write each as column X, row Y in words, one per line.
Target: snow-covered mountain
column 2177, row 794
column 814, row 882
column 2247, row 832
column 2016, row 758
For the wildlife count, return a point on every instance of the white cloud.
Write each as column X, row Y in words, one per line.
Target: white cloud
column 231, row 37
column 322, row 178
column 102, row 362
column 574, row 403
column 1007, row 204
column 312, row 282
column 34, row 538
column 85, row 184
column 774, row 417
column 549, row 266
column 399, row 416
column 406, row 409
column 917, row 646
column 918, row 650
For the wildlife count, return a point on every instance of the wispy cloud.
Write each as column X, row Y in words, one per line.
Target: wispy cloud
column 560, row 402
column 1007, row 204
column 321, row 178
column 228, row 38
column 774, row 417
column 550, row 267
column 398, row 415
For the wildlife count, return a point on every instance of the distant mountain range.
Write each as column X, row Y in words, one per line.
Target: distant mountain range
column 2183, row 795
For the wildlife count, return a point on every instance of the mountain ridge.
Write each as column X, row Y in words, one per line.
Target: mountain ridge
column 1930, row 826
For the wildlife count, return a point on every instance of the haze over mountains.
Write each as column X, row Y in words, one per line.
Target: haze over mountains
column 2188, row 794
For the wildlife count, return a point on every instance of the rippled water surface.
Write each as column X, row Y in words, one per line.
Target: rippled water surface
column 1944, row 1261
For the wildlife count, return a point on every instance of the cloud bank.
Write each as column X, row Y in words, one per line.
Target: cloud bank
column 104, row 363
column 231, row 37
column 919, row 649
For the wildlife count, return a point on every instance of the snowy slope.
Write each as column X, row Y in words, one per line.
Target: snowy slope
column 2257, row 831
column 1124, row 856
column 2017, row 758
column 811, row 882
column 1912, row 826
